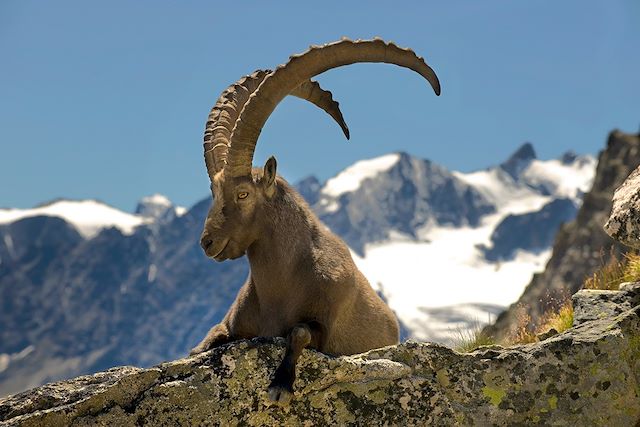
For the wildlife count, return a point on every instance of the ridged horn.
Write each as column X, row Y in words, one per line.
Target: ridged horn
column 312, row 92
column 224, row 114
column 302, row 67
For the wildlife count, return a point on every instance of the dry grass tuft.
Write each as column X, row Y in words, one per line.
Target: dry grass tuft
column 614, row 272
column 559, row 318
column 468, row 341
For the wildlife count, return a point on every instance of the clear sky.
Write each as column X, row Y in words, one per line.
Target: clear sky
column 108, row 100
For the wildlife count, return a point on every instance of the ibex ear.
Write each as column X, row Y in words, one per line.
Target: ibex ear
column 269, row 176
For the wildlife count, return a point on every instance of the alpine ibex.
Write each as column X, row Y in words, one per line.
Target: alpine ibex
column 303, row 282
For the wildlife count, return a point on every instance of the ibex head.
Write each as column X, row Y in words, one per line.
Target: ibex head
column 236, row 218
column 233, row 223
column 241, row 192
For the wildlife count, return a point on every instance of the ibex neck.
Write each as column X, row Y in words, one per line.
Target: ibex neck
column 285, row 241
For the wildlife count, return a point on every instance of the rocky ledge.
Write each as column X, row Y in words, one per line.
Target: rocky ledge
column 588, row 375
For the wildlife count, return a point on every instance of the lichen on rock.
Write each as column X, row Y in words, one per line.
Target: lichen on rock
column 624, row 222
column 587, row 375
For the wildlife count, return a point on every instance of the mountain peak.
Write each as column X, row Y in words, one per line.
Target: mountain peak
column 568, row 157
column 156, row 206
column 350, row 179
column 66, row 200
column 88, row 216
column 309, row 188
column 519, row 160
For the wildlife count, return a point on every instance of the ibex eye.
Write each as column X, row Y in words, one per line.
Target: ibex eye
column 243, row 195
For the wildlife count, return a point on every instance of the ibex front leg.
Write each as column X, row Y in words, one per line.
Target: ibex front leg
column 301, row 335
column 217, row 335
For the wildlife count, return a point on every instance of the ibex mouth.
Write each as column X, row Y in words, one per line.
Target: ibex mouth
column 215, row 255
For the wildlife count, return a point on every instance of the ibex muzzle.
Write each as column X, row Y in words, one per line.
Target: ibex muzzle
column 303, row 283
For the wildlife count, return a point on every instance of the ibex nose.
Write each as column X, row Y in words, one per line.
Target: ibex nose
column 205, row 242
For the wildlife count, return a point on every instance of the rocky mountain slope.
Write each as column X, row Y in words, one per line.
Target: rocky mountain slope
column 82, row 290
column 581, row 246
column 588, row 375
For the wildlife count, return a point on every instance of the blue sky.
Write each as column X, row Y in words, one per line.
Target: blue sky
column 108, row 100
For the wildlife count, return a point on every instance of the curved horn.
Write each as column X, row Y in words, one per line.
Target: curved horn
column 302, row 67
column 222, row 119
column 312, row 92
column 225, row 112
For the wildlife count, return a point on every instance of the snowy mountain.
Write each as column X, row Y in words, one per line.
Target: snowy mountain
column 158, row 207
column 89, row 217
column 415, row 226
column 397, row 195
column 84, row 286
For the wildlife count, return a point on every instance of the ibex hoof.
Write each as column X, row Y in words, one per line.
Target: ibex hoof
column 280, row 394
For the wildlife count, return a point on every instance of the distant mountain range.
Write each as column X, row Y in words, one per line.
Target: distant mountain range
column 84, row 286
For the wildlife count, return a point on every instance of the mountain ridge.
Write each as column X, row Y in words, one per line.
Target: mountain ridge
column 141, row 297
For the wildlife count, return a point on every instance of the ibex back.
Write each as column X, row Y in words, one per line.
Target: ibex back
column 303, row 282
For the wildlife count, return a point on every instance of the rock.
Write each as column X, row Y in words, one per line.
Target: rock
column 546, row 335
column 624, row 222
column 581, row 247
column 587, row 375
column 599, row 304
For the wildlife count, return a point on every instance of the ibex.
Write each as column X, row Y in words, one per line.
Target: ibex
column 303, row 283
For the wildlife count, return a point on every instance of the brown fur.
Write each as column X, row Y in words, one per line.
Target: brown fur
column 303, row 282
